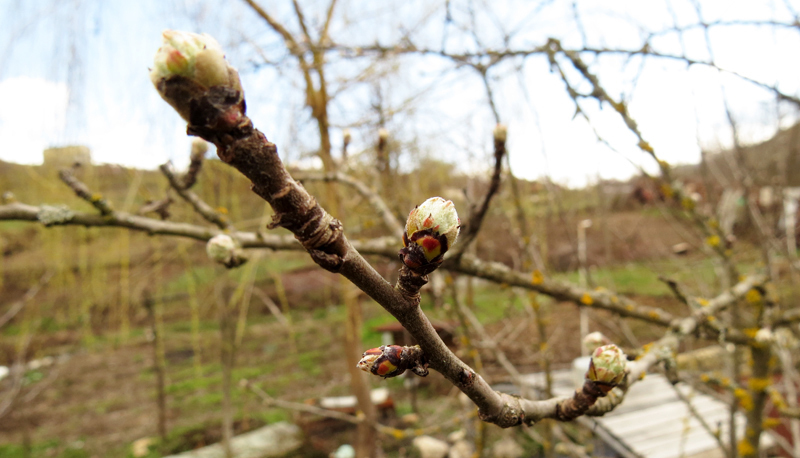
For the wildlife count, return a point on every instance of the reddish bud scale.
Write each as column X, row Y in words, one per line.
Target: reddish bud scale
column 424, row 251
column 384, row 369
column 392, row 360
column 432, row 227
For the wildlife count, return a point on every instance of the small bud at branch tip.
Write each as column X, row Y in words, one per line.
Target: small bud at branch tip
column 500, row 133
column 607, row 367
column 431, row 229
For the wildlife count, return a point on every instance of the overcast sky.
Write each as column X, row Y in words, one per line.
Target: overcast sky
column 76, row 72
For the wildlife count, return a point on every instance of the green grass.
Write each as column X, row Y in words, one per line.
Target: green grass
column 696, row 275
column 208, row 273
column 628, row 279
column 51, row 448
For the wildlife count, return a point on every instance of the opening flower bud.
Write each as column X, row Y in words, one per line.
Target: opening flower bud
column 764, row 336
column 500, row 133
column 188, row 69
column 383, row 361
column 392, row 360
column 223, row 249
column 197, row 57
column 432, row 228
column 607, row 367
column 368, row 359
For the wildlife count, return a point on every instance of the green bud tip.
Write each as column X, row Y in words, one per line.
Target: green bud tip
column 197, row 57
column 607, row 366
column 435, row 217
column 221, row 248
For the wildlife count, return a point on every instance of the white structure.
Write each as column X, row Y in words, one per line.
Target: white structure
column 652, row 421
column 790, row 199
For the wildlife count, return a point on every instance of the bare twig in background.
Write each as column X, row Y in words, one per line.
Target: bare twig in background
column 159, row 207
column 477, row 214
column 27, row 297
column 199, row 150
column 81, row 190
column 272, row 306
column 697, row 416
column 202, row 208
column 389, row 220
column 159, row 364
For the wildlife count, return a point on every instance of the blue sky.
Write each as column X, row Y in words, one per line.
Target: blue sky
column 76, row 72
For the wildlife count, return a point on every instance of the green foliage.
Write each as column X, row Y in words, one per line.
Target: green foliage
column 48, row 449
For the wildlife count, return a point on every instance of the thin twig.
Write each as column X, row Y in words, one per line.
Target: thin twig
column 81, row 190
column 20, row 304
column 202, row 208
column 473, row 225
column 389, row 219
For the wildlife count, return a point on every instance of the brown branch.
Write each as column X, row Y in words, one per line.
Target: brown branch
column 82, row 191
column 291, row 43
column 665, row 347
column 202, row 208
column 471, row 321
column 600, row 298
column 675, row 288
column 219, row 117
column 470, row 230
column 302, row 20
column 789, row 412
column 495, row 407
column 159, row 207
column 23, row 212
column 316, row 99
column 323, row 36
column 684, row 327
column 199, row 150
column 389, row 219
column 648, row 51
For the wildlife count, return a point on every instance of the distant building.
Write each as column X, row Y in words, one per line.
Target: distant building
column 67, row 156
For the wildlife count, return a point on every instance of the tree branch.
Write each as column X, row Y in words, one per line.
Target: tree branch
column 202, row 208
column 389, row 220
column 82, row 191
column 473, row 226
